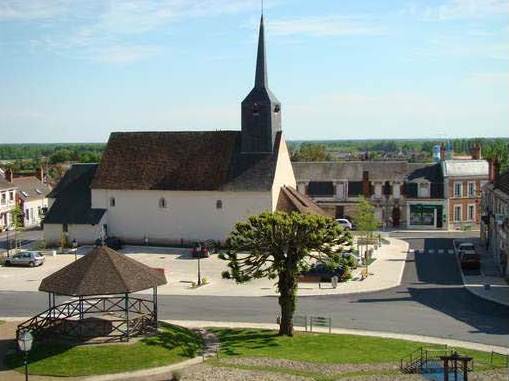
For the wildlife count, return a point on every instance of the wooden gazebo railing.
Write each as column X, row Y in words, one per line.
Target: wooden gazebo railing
column 112, row 318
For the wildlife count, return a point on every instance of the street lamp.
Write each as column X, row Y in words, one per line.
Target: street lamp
column 75, row 248
column 25, row 340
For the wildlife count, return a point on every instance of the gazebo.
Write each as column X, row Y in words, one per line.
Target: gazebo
column 101, row 308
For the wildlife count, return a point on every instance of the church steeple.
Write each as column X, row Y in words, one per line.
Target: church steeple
column 261, row 111
column 261, row 63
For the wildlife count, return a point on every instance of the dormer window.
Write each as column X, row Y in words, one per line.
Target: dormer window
column 277, row 109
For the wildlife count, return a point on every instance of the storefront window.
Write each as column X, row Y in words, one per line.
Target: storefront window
column 423, row 215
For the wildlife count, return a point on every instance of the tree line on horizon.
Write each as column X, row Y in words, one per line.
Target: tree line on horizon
column 29, row 156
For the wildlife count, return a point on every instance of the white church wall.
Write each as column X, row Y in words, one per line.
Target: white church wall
column 52, row 233
column 190, row 216
column 284, row 173
column 83, row 234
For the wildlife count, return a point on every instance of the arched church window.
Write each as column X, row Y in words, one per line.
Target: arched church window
column 277, row 109
column 219, row 204
column 162, row 203
column 113, row 202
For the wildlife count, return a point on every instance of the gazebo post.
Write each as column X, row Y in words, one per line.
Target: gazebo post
column 154, row 301
column 127, row 315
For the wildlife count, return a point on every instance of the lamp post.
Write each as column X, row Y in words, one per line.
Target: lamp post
column 75, row 248
column 199, row 268
column 25, row 340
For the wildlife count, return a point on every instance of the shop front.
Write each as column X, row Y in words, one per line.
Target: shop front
column 426, row 215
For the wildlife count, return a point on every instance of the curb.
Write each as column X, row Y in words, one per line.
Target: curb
column 473, row 291
column 145, row 372
column 356, row 332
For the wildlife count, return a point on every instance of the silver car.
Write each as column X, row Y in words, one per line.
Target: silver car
column 25, row 258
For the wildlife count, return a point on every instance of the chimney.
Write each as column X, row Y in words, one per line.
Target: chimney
column 365, row 184
column 476, row 152
column 443, row 152
column 39, row 173
column 8, row 175
column 494, row 168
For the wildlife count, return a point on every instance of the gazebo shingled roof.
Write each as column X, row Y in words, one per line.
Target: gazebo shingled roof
column 102, row 271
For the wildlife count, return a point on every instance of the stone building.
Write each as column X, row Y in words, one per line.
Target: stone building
column 403, row 194
column 463, row 181
column 495, row 218
column 7, row 203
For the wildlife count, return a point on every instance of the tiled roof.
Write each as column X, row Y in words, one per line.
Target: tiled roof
column 72, row 196
column 465, row 168
column 102, row 271
column 350, row 170
column 290, row 200
column 194, row 161
column 502, row 182
column 31, row 188
column 4, row 184
column 429, row 172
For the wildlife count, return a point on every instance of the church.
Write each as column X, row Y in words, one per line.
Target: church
column 173, row 187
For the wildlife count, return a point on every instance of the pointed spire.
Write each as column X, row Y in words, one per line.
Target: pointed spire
column 261, row 63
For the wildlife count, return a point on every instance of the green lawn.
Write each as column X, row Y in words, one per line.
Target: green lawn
column 322, row 348
column 173, row 344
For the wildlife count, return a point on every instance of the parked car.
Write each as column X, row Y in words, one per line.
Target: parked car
column 324, row 273
column 111, row 242
column 345, row 223
column 200, row 250
column 26, row 258
column 468, row 256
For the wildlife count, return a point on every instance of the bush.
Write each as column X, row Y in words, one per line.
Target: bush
column 40, row 245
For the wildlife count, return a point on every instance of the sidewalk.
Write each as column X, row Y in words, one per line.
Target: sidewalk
column 181, row 270
column 488, row 284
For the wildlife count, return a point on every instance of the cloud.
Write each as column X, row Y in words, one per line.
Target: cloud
column 461, row 9
column 324, row 26
column 495, row 78
column 121, row 54
column 104, row 31
column 23, row 10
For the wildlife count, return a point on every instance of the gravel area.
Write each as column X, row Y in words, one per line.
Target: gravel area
column 205, row 372
column 325, row 369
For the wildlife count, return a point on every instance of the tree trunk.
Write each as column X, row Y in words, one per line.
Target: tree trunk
column 287, row 285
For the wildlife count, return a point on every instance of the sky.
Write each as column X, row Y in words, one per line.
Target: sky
column 75, row 71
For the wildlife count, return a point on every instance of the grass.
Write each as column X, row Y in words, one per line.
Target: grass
column 323, row 348
column 2, row 322
column 173, row 344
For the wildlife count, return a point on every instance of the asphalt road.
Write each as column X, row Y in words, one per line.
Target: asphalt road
column 430, row 301
column 25, row 238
